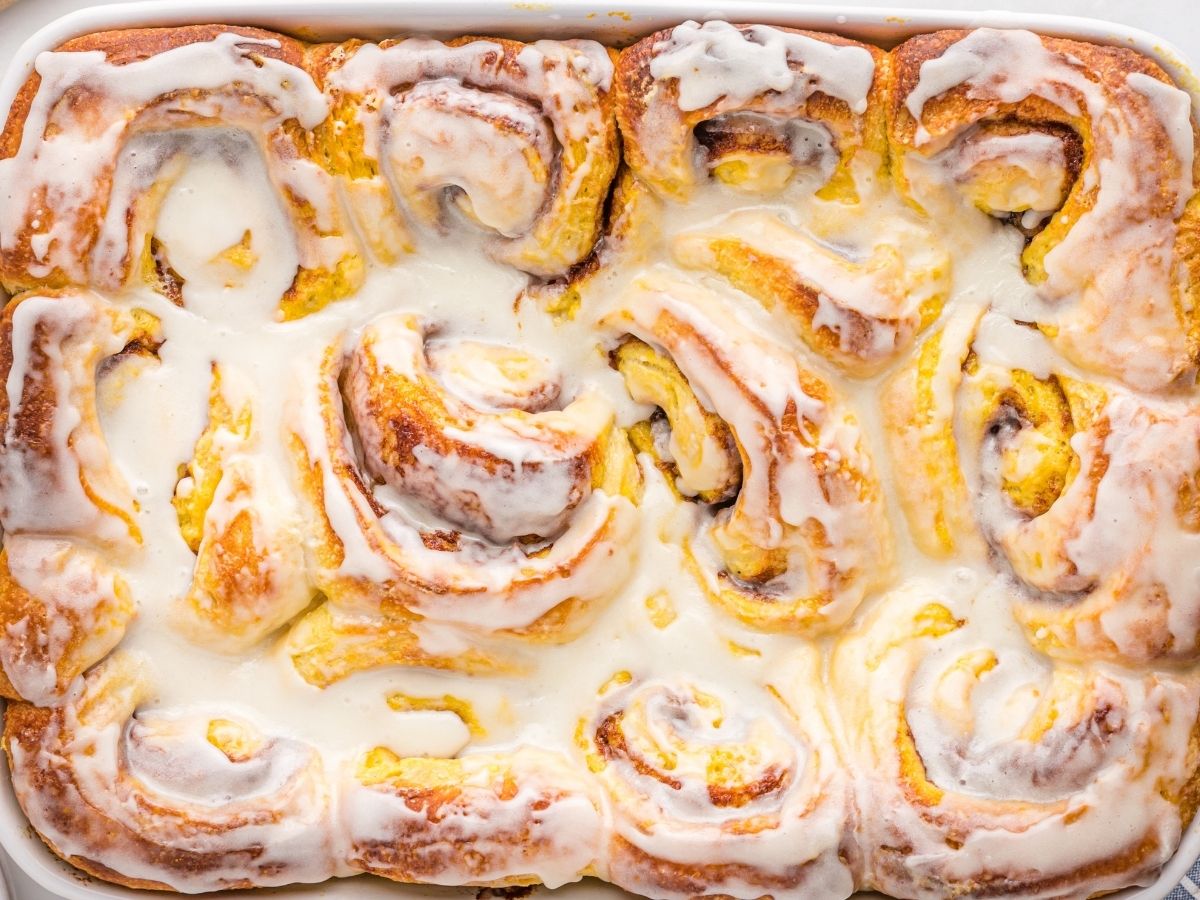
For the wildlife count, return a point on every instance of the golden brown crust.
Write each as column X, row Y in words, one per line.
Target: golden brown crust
column 34, row 738
column 33, row 426
column 520, row 586
column 482, row 820
column 87, row 772
column 72, row 615
column 750, row 793
column 634, row 81
column 329, row 266
column 27, row 432
column 632, row 865
column 576, row 181
column 771, row 573
column 1111, row 65
column 25, row 731
column 132, row 45
column 67, row 336
column 1098, row 114
column 639, row 93
column 757, row 254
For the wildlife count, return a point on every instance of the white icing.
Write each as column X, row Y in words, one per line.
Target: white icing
column 264, row 819
column 197, row 228
column 435, row 134
column 753, row 383
column 1001, row 341
column 659, row 786
column 1081, row 790
column 1009, row 65
column 152, row 412
column 416, row 91
column 508, row 475
column 481, row 584
column 54, row 479
column 720, row 71
column 547, row 827
column 67, row 175
column 1173, row 109
column 1110, row 290
column 1040, row 157
column 717, row 60
column 80, row 621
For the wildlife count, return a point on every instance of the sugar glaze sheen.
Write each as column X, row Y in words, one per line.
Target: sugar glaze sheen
column 153, row 410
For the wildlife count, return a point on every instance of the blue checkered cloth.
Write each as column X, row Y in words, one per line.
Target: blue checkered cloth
column 1189, row 888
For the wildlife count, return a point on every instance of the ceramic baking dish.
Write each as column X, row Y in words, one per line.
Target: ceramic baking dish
column 614, row 22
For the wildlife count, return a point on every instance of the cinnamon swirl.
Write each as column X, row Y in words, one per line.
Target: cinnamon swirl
column 760, row 97
column 979, row 761
column 752, row 464
column 795, row 118
column 518, row 138
column 154, row 801
column 805, row 538
column 1044, row 466
column 1093, row 150
column 713, row 798
column 486, row 515
column 97, row 135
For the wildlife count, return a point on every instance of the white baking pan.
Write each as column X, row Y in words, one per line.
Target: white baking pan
column 611, row 21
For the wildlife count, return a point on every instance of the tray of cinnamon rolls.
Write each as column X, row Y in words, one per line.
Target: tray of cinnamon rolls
column 743, row 459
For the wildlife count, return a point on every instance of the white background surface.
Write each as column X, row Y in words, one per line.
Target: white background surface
column 1178, row 21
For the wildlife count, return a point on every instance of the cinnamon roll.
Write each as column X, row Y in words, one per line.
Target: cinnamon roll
column 500, row 511
column 984, row 768
column 236, row 514
column 62, row 608
column 1085, row 493
column 1092, row 150
column 805, row 538
column 151, row 800
column 518, row 818
column 760, row 105
column 713, row 798
column 760, row 101
column 517, row 138
column 57, row 477
column 108, row 121
column 631, row 355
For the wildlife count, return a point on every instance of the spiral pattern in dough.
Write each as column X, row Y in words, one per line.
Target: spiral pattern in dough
column 487, row 521
column 1043, row 465
column 118, row 113
column 520, row 138
column 191, row 803
column 633, row 351
column 984, row 766
column 1093, row 150
column 713, row 798
column 761, row 101
column 805, row 538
